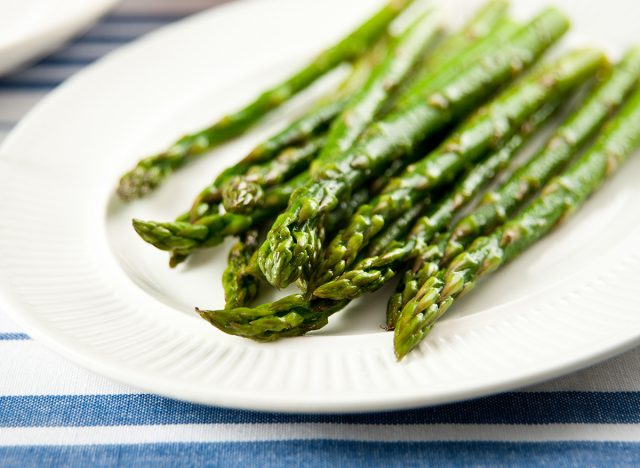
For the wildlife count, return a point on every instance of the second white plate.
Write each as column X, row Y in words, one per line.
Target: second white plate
column 32, row 28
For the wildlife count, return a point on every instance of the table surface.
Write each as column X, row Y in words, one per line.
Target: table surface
column 54, row 413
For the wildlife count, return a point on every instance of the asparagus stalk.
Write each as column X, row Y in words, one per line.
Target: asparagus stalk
column 287, row 317
column 481, row 25
column 317, row 120
column 405, row 52
column 498, row 205
column 240, row 286
column 390, row 251
column 465, row 190
column 151, row 171
column 309, row 126
column 426, row 265
column 560, row 198
column 292, row 243
column 313, row 124
column 345, row 210
column 363, row 106
column 489, row 23
column 394, row 233
column 244, row 194
column 242, row 278
column 362, row 109
column 489, row 128
column 182, row 238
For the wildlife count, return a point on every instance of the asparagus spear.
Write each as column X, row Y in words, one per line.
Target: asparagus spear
column 489, row 128
column 182, row 238
column 150, row 172
column 465, row 190
column 242, row 278
column 291, row 244
column 489, row 23
column 313, row 124
column 308, row 126
column 287, row 317
column 426, row 266
column 244, row 194
column 206, row 203
column 390, row 251
column 498, row 205
column 240, row 286
column 345, row 210
column 560, row 198
column 394, row 233
column 405, row 52
column 365, row 103
column 481, row 25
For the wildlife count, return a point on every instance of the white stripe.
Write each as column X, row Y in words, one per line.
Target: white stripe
column 309, row 431
column 620, row 374
column 54, row 375
column 28, row 368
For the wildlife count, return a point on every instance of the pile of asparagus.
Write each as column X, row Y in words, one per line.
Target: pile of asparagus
column 412, row 168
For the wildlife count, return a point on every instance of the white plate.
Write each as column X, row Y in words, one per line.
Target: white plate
column 73, row 272
column 32, row 28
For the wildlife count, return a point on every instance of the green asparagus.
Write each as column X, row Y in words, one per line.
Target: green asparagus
column 560, row 198
column 308, row 126
column 404, row 53
column 363, row 106
column 498, row 205
column 240, row 286
column 313, row 124
column 483, row 22
column 487, row 25
column 151, row 171
column 292, row 243
column 243, row 194
column 287, row 317
column 488, row 129
column 182, row 238
column 390, row 251
column 465, row 190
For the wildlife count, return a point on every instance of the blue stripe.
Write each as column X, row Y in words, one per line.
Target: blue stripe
column 28, row 86
column 13, row 336
column 328, row 453
column 66, row 61
column 145, row 409
column 142, row 18
column 105, row 39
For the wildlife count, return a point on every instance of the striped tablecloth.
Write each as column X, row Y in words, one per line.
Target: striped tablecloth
column 53, row 413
